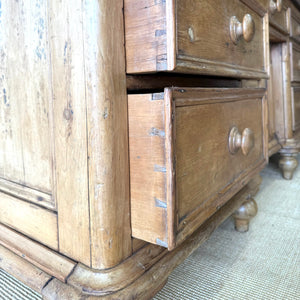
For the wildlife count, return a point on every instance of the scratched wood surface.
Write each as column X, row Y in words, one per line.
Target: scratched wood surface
column 26, row 159
column 206, row 173
column 45, row 259
column 107, row 141
column 70, row 132
column 147, row 167
column 25, row 90
column 64, row 122
column 193, row 37
column 145, row 27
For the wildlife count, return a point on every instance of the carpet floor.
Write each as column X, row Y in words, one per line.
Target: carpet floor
column 263, row 263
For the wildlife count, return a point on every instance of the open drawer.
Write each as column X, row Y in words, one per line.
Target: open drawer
column 212, row 37
column 191, row 150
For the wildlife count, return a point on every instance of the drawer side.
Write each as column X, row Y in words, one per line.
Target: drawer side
column 146, row 30
column 148, row 168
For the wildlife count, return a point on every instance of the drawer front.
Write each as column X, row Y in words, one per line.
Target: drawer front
column 195, row 36
column 279, row 19
column 295, row 62
column 295, row 26
column 183, row 163
column 296, row 107
column 204, row 34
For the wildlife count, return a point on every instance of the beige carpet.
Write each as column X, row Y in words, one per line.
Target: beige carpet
column 11, row 288
column 263, row 263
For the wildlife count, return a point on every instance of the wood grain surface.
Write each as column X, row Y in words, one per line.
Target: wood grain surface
column 25, row 91
column 40, row 256
column 167, row 205
column 161, row 36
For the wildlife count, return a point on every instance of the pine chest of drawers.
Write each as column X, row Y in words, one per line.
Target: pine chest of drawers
column 131, row 131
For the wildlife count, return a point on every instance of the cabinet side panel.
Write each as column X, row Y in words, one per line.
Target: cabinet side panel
column 147, row 168
column 70, row 130
column 25, row 90
column 108, row 165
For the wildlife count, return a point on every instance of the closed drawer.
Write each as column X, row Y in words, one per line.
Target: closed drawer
column 296, row 107
column 279, row 15
column 181, row 166
column 295, row 62
column 194, row 36
column 295, row 25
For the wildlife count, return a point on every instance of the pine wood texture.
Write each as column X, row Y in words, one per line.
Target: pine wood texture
column 24, row 271
column 161, row 36
column 165, row 148
column 108, row 166
column 26, row 193
column 64, row 122
column 32, row 220
column 155, row 275
column 64, row 169
column 106, row 282
column 70, row 132
column 25, row 85
column 281, row 19
column 40, row 256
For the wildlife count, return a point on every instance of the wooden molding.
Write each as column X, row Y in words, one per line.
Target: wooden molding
column 290, row 146
column 23, row 270
column 254, row 5
column 154, row 275
column 43, row 258
column 138, row 277
column 34, row 221
column 274, row 147
column 192, row 65
column 104, row 282
column 26, row 193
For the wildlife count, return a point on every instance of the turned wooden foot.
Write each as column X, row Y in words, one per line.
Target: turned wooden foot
column 288, row 164
column 244, row 214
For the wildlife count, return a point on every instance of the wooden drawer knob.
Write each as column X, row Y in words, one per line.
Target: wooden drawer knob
column 245, row 29
column 244, row 141
column 275, row 6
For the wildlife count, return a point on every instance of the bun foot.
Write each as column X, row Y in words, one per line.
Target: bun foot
column 288, row 164
column 244, row 214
